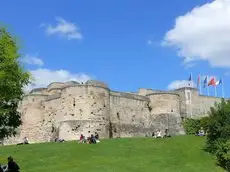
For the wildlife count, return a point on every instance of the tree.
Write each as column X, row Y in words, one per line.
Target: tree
column 218, row 125
column 218, row 138
column 13, row 78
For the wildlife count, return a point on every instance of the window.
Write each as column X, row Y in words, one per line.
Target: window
column 189, row 96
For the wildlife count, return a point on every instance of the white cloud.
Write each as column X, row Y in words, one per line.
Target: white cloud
column 64, row 29
column 33, row 60
column 180, row 84
column 203, row 34
column 43, row 77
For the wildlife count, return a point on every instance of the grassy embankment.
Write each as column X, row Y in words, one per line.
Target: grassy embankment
column 179, row 154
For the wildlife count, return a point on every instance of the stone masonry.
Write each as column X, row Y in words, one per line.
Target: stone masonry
column 66, row 110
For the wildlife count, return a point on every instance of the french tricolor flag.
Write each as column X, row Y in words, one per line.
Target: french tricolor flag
column 219, row 82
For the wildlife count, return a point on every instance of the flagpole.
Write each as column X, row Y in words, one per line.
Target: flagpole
column 200, row 84
column 222, row 85
column 215, row 91
column 191, row 80
column 207, row 85
column 191, row 94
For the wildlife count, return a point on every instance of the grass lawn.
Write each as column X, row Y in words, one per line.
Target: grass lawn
column 179, row 154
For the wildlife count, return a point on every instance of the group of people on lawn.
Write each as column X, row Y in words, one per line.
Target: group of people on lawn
column 92, row 139
column 158, row 134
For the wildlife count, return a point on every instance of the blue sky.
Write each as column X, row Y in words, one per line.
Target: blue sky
column 127, row 44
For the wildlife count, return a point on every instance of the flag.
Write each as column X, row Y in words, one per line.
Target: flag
column 198, row 80
column 212, row 82
column 190, row 77
column 219, row 82
column 205, row 81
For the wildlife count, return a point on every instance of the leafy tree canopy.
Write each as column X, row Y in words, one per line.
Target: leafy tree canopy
column 13, row 78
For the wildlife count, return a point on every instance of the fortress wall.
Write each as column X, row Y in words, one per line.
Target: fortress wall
column 194, row 105
column 129, row 115
column 206, row 103
column 183, row 107
column 83, row 109
column 200, row 105
column 39, row 91
column 164, row 103
column 144, row 91
column 165, row 112
column 55, row 85
column 54, row 91
column 33, row 99
column 32, row 117
column 51, row 106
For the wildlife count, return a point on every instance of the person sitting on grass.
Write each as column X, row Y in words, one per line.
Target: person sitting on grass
column 93, row 139
column 97, row 137
column 82, row 139
column 26, row 140
column 12, row 165
column 167, row 134
column 201, row 132
column 1, row 168
column 153, row 134
column 158, row 134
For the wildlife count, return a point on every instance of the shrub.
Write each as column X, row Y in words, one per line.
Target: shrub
column 204, row 123
column 223, row 155
column 218, row 126
column 191, row 126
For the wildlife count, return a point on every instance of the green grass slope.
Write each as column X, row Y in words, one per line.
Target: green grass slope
column 179, row 154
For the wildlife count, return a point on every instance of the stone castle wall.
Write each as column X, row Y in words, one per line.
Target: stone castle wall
column 66, row 110
column 129, row 115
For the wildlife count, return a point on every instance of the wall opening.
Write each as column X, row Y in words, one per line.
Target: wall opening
column 74, row 103
column 118, row 116
column 149, row 107
column 110, row 130
column 182, row 119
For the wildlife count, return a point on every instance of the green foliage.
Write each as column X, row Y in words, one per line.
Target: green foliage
column 12, row 80
column 204, row 123
column 218, row 126
column 218, row 137
column 223, row 155
column 192, row 126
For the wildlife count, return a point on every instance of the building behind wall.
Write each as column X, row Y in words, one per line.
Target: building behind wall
column 66, row 110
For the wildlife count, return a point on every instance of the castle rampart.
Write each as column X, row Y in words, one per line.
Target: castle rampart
column 66, row 110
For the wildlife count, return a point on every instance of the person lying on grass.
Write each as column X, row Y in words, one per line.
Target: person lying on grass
column 167, row 134
column 59, row 140
column 25, row 141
